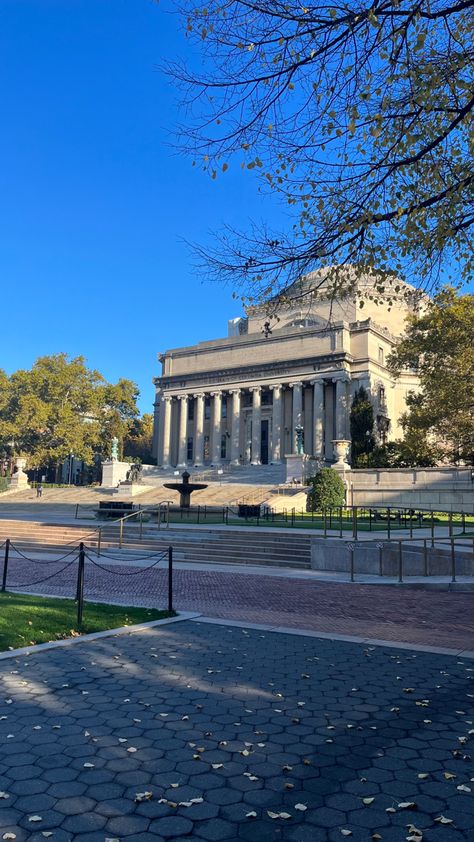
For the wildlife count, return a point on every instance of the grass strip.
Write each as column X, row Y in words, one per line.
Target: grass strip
column 26, row 620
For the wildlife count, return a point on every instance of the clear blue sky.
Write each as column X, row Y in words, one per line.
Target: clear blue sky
column 94, row 201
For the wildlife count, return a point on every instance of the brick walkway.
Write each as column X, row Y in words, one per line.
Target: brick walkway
column 234, row 734
column 408, row 615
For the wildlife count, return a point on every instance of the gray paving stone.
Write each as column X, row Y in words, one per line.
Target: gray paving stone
column 171, row 827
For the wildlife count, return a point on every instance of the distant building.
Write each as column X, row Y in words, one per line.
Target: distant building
column 242, row 399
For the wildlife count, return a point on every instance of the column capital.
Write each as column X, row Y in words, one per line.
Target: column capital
column 183, row 397
column 318, row 380
column 168, row 398
column 199, row 394
column 255, row 388
column 296, row 383
column 234, row 391
column 275, row 387
column 216, row 394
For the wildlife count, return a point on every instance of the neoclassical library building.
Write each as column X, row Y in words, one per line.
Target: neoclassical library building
column 251, row 396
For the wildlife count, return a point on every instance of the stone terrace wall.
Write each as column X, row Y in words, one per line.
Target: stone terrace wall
column 444, row 489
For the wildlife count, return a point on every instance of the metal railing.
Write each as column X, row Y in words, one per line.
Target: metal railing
column 402, row 546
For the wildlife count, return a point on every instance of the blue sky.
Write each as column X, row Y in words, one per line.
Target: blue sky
column 95, row 203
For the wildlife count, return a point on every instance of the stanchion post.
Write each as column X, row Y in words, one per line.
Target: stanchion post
column 352, row 550
column 400, row 561
column 425, row 557
column 380, row 558
column 450, row 524
column 121, row 534
column 77, row 509
column 388, row 524
column 170, row 578
column 80, row 584
column 99, row 541
column 432, row 529
column 5, row 565
column 340, row 522
column 141, row 524
column 453, row 560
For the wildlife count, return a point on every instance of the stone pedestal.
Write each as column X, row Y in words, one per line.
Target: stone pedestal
column 19, row 479
column 299, row 466
column 128, row 490
column 114, row 472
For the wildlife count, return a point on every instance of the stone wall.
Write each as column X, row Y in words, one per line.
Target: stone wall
column 382, row 557
column 443, row 489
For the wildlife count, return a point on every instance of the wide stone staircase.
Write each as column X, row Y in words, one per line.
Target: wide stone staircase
column 190, row 544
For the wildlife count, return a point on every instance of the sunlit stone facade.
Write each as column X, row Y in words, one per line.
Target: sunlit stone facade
column 241, row 399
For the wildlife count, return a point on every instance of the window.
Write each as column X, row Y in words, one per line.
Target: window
column 381, row 394
column 207, row 409
column 267, row 398
column 247, row 399
column 189, row 449
column 224, row 408
column 223, row 446
column 381, row 355
column 191, row 409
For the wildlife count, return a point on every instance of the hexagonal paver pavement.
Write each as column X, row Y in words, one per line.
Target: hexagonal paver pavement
column 208, row 732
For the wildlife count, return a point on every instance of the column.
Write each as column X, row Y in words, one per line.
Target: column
column 183, row 425
column 276, row 423
column 256, row 424
column 235, row 428
column 342, row 410
column 216, row 428
column 297, row 413
column 199, row 430
column 318, row 418
column 166, row 431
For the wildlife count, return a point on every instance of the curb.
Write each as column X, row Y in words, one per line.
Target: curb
column 85, row 638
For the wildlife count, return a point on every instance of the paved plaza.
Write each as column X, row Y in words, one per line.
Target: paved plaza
column 196, row 730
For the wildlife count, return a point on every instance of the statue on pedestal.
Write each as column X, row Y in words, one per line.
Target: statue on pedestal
column 114, row 453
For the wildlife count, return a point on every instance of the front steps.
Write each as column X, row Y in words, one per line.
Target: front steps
column 199, row 545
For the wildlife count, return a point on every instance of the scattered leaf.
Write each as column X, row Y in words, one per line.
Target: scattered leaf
column 143, row 796
column 368, row 801
column 301, row 807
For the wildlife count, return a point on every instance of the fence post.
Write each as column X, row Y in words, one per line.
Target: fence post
column 400, row 561
column 293, row 516
column 432, row 529
column 351, row 549
column 463, row 522
column 370, row 520
column 99, row 541
column 141, row 524
column 170, row 578
column 354, row 523
column 453, row 561
column 450, row 524
column 425, row 557
column 388, row 524
column 411, row 524
column 325, row 523
column 121, row 534
column 80, row 584
column 5, row 565
column 77, row 509
column 340, row 522
column 380, row 558
column 199, row 512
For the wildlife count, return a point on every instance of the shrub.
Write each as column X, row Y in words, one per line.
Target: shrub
column 327, row 491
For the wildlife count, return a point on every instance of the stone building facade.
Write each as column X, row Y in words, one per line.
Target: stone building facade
column 244, row 398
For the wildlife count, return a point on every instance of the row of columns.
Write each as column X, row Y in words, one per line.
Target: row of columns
column 342, row 384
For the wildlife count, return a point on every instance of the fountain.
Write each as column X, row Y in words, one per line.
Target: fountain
column 185, row 489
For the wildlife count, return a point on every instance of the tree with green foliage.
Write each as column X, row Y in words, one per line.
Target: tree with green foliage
column 138, row 441
column 414, row 451
column 439, row 346
column 327, row 491
column 362, row 427
column 60, row 406
column 357, row 116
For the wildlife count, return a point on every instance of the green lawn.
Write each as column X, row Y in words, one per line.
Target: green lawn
column 26, row 620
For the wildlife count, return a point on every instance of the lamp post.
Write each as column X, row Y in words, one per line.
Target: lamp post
column 71, row 460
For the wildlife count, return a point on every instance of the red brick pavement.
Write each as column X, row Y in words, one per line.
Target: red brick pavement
column 407, row 615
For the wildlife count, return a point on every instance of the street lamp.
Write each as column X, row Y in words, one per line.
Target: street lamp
column 71, row 460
